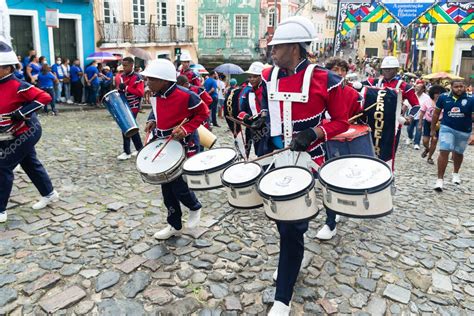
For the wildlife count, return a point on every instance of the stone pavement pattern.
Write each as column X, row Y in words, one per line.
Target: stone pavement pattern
column 94, row 253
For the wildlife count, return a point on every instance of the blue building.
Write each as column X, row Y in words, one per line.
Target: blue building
column 74, row 38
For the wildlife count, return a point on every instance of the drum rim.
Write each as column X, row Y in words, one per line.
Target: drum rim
column 243, row 184
column 307, row 219
column 348, row 191
column 351, row 137
column 105, row 95
column 130, row 129
column 177, row 165
column 211, row 170
column 289, row 196
column 359, row 216
column 244, row 208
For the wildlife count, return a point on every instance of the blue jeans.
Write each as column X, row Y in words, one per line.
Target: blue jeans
column 91, row 94
column 22, row 151
column 58, row 89
column 174, row 193
column 213, row 107
column 453, row 140
column 413, row 127
column 50, row 91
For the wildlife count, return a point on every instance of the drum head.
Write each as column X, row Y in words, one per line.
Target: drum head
column 354, row 131
column 357, row 173
column 210, row 160
column 285, row 181
column 168, row 158
column 241, row 173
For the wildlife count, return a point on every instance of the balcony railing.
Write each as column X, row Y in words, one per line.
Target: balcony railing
column 127, row 32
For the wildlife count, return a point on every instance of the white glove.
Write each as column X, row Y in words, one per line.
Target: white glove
column 401, row 120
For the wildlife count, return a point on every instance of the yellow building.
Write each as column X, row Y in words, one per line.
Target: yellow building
column 330, row 22
column 371, row 39
column 141, row 28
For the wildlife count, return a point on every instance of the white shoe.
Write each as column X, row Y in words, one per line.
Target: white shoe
column 63, row 99
column 3, row 217
column 69, row 102
column 135, row 153
column 456, row 178
column 338, row 218
column 194, row 218
column 124, row 156
column 46, row 200
column 17, row 169
column 326, row 233
column 279, row 309
column 166, row 233
column 439, row 185
column 275, row 275
column 417, row 147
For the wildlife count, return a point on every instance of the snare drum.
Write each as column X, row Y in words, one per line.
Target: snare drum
column 166, row 167
column 288, row 194
column 240, row 181
column 203, row 171
column 357, row 186
column 356, row 140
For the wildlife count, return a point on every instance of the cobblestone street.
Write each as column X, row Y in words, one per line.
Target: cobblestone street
column 93, row 252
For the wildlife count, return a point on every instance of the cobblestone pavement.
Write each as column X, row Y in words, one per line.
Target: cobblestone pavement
column 94, row 253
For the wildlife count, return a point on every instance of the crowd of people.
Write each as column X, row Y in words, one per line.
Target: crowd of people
column 317, row 104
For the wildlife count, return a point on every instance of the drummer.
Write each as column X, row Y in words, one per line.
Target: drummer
column 186, row 70
column 173, row 105
column 131, row 85
column 20, row 130
column 250, row 110
column 326, row 93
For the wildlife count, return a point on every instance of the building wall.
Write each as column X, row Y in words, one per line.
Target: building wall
column 227, row 47
column 125, row 14
column 330, row 21
column 370, row 39
column 79, row 10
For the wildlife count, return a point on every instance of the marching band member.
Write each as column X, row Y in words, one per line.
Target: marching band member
column 20, row 130
column 193, row 77
column 251, row 107
column 132, row 86
column 172, row 104
column 326, row 92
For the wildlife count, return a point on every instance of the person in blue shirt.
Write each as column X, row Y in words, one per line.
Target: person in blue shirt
column 46, row 82
column 91, row 79
column 106, row 83
column 32, row 70
column 26, row 60
column 211, row 87
column 76, row 74
column 455, row 130
column 19, row 71
column 57, row 70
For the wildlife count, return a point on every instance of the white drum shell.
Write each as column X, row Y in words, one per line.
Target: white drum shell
column 205, row 181
column 369, row 205
column 246, row 197
column 293, row 210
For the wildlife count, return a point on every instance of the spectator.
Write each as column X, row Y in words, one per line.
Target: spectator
column 416, row 123
column 32, row 70
column 46, row 81
column 27, row 59
column 106, row 83
column 220, row 94
column 91, row 79
column 67, row 80
column 211, row 87
column 426, row 116
column 18, row 72
column 76, row 84
column 456, row 128
column 59, row 73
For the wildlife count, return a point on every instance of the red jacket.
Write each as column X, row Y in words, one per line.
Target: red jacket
column 193, row 78
column 202, row 93
column 134, row 89
column 244, row 102
column 408, row 92
column 19, row 95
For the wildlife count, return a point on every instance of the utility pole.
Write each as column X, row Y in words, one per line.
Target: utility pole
column 336, row 29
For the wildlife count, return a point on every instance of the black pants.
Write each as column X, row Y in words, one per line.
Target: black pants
column 137, row 140
column 213, row 108
column 76, row 91
column 175, row 192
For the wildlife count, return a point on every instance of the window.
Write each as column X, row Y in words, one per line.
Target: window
column 109, row 17
column 241, row 26
column 371, row 52
column 161, row 13
column 373, row 27
column 272, row 17
column 211, row 26
column 139, row 12
column 180, row 18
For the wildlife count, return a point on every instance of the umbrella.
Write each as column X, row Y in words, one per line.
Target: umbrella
column 441, row 75
column 102, row 56
column 410, row 74
column 199, row 68
column 140, row 53
column 229, row 69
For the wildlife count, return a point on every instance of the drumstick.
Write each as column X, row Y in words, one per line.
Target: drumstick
column 146, row 136
column 270, row 154
column 168, row 140
column 362, row 113
column 237, row 121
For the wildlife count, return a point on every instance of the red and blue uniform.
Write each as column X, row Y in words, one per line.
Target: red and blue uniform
column 250, row 103
column 205, row 97
column 193, row 78
column 25, row 98
column 171, row 108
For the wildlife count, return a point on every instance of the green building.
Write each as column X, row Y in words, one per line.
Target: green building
column 229, row 32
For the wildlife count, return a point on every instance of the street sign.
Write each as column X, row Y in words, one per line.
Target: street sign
column 407, row 11
column 52, row 18
column 177, row 51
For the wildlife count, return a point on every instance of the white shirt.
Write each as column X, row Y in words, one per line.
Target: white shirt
column 220, row 89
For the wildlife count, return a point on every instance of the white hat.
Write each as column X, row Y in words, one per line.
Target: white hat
column 390, row 62
column 295, row 29
column 161, row 69
column 255, row 68
column 185, row 56
column 7, row 55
